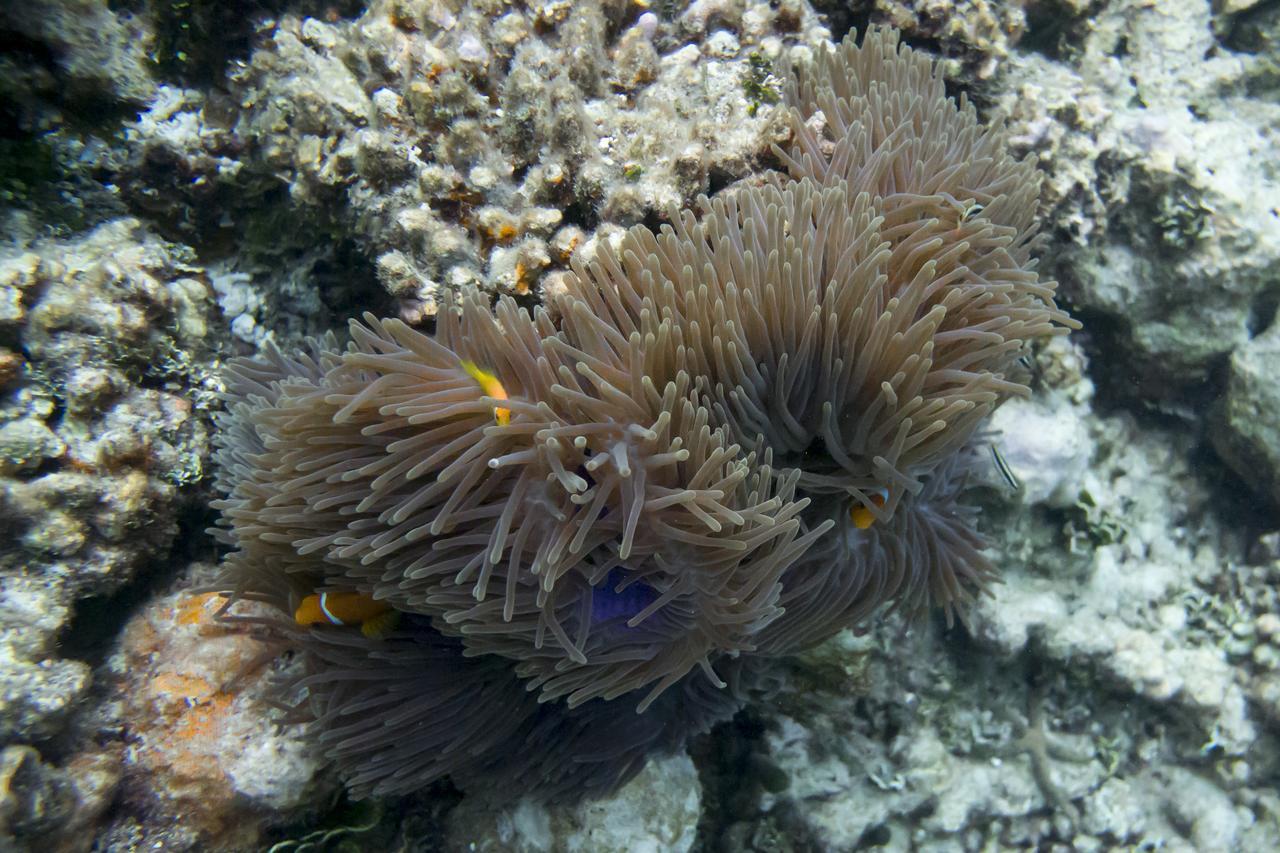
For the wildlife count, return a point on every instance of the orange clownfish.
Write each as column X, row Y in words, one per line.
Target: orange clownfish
column 861, row 516
column 490, row 385
column 375, row 618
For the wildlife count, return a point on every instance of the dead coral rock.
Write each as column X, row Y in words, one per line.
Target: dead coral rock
column 25, row 444
column 17, row 275
column 10, row 367
column 50, row 808
column 98, row 52
column 207, row 758
column 977, row 33
column 1163, row 182
column 384, row 126
column 98, row 432
column 658, row 810
column 120, row 296
column 37, row 690
column 32, row 800
column 634, row 58
column 1248, row 437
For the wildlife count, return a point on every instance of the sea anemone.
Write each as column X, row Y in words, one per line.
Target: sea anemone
column 604, row 539
column 726, row 441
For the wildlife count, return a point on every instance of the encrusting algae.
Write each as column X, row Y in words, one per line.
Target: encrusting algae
column 727, row 441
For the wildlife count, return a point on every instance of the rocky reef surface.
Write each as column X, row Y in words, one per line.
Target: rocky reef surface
column 179, row 183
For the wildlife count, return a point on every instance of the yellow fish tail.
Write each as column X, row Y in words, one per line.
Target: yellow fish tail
column 490, row 385
column 378, row 627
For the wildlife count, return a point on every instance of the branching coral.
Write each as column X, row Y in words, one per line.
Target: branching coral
column 617, row 505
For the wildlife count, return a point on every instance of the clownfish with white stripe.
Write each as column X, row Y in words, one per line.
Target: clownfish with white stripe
column 375, row 618
column 861, row 516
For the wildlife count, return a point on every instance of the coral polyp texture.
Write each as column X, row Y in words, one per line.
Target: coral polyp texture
column 590, row 523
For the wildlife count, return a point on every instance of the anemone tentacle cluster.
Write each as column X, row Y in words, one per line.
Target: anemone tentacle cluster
column 728, row 440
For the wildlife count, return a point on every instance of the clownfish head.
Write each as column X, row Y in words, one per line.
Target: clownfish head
column 862, row 516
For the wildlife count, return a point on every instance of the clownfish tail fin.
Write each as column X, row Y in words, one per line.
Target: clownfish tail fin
column 380, row 626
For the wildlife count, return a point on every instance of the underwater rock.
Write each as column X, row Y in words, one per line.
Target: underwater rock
column 1046, row 443
column 1247, row 433
column 97, row 433
column 37, row 690
column 905, row 747
column 1163, row 183
column 1135, row 586
column 96, row 51
column 657, row 810
column 385, row 125
column 25, row 444
column 207, row 765
column 51, row 808
column 975, row 35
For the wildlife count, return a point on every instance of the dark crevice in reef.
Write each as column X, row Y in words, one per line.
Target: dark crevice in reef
column 1047, row 30
column 98, row 620
column 582, row 213
column 348, row 285
column 1233, row 498
column 843, row 17
column 310, row 289
column 654, row 220
column 735, row 771
column 768, row 162
column 718, row 179
column 39, row 115
column 84, row 103
column 1262, row 312
column 162, row 189
column 1252, row 30
column 1123, row 383
column 196, row 39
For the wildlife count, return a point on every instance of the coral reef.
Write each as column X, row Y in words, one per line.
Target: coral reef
column 1247, row 427
column 98, row 434
column 925, row 750
column 92, row 52
column 206, row 762
column 186, row 181
column 580, row 515
column 971, row 34
column 60, row 806
column 1157, row 184
column 384, row 129
column 657, row 810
